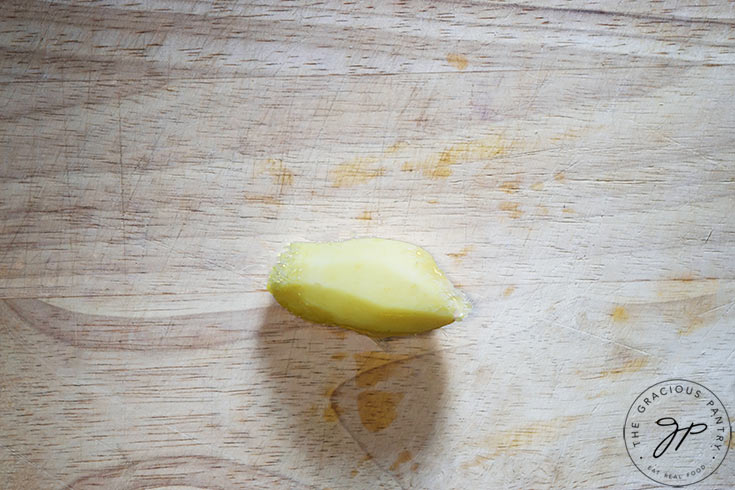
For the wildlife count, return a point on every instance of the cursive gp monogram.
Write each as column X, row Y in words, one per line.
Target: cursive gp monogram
column 666, row 442
column 677, row 433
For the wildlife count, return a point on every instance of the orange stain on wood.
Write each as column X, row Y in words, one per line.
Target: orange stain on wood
column 329, row 391
column 569, row 134
column 339, row 332
column 365, row 216
column 339, row 356
column 332, row 411
column 402, row 458
column 433, row 201
column 568, row 210
column 458, row 61
column 559, row 177
column 356, row 172
column 353, row 473
column 397, row 146
column 686, row 288
column 508, row 291
column 478, row 460
column 694, row 325
column 694, row 313
column 538, row 186
column 375, row 366
column 263, row 199
column 280, row 173
column 415, row 467
column 462, row 253
column 692, row 302
column 684, row 279
column 439, row 165
column 378, row 409
column 512, row 208
column 511, row 441
column 330, row 414
column 619, row 314
column 629, row 366
column 510, row 187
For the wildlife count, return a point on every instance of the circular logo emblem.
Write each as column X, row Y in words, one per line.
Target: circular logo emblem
column 677, row 432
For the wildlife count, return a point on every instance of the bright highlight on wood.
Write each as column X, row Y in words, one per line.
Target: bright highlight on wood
column 375, row 286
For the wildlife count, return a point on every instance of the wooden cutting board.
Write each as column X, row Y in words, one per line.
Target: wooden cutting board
column 568, row 165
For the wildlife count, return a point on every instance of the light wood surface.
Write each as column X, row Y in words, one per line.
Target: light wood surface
column 568, row 164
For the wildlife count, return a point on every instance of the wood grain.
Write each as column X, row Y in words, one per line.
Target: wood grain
column 568, row 164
